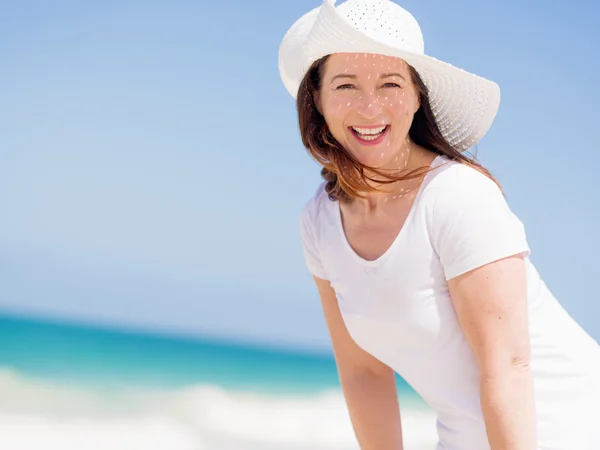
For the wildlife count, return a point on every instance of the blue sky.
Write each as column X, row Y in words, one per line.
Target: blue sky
column 151, row 171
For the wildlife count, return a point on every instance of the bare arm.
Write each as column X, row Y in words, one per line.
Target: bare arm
column 369, row 385
column 491, row 305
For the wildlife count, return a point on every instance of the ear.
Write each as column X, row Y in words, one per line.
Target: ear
column 317, row 101
column 417, row 102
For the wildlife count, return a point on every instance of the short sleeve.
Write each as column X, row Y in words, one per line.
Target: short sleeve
column 472, row 224
column 309, row 238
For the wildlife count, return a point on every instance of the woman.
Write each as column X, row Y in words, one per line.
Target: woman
column 421, row 266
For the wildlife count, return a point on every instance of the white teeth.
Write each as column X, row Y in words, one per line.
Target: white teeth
column 369, row 138
column 369, row 131
column 369, row 134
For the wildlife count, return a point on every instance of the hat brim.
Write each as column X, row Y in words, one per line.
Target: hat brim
column 464, row 104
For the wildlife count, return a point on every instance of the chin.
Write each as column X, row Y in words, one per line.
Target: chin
column 372, row 157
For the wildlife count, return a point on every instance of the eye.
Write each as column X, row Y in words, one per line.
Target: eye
column 345, row 86
column 392, row 85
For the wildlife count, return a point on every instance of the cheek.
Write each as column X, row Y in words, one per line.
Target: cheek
column 399, row 105
column 336, row 108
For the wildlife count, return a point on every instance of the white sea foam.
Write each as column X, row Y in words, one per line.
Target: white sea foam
column 39, row 416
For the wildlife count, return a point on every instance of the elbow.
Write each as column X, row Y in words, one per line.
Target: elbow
column 504, row 368
column 520, row 363
column 357, row 376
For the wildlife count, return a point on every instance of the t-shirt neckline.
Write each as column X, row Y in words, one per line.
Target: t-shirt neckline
column 374, row 262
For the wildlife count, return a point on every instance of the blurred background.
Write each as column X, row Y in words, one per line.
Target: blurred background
column 153, row 293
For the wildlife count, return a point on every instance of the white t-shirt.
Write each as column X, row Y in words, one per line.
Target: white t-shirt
column 398, row 308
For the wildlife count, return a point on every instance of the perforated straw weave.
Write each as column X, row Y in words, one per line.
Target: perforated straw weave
column 464, row 104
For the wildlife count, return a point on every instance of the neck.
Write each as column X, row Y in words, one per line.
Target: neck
column 416, row 157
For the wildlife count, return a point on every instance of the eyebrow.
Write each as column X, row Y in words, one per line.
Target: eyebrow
column 383, row 75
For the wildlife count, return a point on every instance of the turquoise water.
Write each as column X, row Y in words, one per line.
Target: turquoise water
column 71, row 386
column 70, row 353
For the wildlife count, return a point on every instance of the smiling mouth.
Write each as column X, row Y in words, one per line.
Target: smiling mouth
column 369, row 134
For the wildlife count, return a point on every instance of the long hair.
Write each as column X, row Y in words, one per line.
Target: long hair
column 346, row 177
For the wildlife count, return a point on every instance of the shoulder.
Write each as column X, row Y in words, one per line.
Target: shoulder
column 315, row 206
column 469, row 221
column 458, row 194
column 311, row 229
column 453, row 177
column 452, row 186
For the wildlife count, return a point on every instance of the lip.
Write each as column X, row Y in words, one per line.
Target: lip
column 377, row 141
column 379, row 125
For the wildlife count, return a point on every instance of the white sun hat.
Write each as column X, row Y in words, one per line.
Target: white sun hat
column 464, row 104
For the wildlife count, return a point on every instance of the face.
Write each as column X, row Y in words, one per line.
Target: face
column 368, row 102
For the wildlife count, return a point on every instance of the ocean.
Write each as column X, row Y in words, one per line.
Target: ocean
column 67, row 386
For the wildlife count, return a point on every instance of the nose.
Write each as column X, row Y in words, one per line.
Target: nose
column 369, row 105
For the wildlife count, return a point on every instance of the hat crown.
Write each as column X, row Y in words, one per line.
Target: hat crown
column 384, row 21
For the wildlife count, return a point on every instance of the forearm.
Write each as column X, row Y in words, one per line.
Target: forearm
column 374, row 410
column 508, row 408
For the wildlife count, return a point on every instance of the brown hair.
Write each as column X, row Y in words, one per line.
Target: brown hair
column 347, row 177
